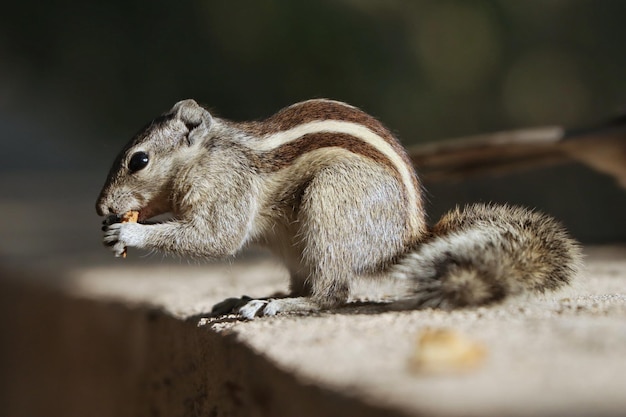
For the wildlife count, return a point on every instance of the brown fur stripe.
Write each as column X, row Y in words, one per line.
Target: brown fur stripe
column 286, row 155
column 321, row 109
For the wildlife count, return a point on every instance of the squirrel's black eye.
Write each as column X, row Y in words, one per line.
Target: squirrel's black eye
column 138, row 161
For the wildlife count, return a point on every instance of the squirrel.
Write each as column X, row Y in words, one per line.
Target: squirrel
column 331, row 191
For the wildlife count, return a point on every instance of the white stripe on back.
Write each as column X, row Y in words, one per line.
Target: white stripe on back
column 359, row 132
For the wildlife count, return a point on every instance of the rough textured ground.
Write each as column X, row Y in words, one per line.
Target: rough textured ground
column 552, row 356
column 86, row 334
column 555, row 356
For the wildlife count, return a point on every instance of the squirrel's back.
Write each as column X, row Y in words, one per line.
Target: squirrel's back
column 483, row 253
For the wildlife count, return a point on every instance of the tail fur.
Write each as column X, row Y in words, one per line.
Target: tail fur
column 483, row 253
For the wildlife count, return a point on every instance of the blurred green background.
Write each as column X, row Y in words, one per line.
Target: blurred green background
column 77, row 79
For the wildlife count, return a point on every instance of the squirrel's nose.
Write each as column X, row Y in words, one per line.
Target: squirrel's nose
column 102, row 210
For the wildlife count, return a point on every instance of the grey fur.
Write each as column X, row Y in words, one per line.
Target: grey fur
column 331, row 215
column 482, row 254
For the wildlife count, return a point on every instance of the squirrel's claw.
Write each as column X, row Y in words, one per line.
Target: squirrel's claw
column 111, row 238
column 111, row 219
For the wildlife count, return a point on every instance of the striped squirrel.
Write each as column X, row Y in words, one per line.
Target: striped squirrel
column 332, row 193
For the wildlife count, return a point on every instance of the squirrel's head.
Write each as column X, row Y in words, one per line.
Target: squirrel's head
column 140, row 178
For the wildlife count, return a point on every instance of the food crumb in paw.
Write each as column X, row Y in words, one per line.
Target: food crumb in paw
column 445, row 350
column 129, row 217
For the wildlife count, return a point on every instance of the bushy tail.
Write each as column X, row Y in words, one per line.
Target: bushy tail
column 481, row 254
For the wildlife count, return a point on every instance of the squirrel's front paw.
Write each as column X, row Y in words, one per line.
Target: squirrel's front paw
column 118, row 236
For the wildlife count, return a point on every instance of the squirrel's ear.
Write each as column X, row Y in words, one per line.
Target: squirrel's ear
column 192, row 115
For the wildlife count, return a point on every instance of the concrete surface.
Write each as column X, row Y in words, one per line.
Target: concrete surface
column 117, row 340
column 84, row 333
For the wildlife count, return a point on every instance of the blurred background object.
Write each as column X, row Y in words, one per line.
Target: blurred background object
column 602, row 148
column 77, row 79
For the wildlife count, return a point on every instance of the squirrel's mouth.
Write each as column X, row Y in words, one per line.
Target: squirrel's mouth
column 144, row 214
column 150, row 216
column 153, row 214
column 147, row 210
column 156, row 218
column 144, row 217
column 151, row 209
